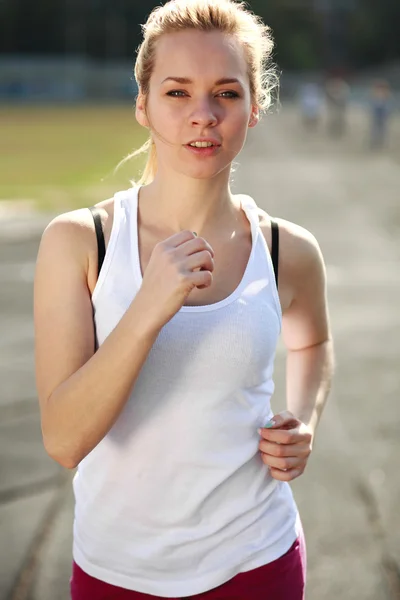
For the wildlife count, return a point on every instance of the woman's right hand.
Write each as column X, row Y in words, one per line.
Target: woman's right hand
column 176, row 266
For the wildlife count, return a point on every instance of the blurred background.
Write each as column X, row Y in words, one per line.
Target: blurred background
column 326, row 157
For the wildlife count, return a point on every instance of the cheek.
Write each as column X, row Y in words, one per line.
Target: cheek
column 237, row 124
column 166, row 119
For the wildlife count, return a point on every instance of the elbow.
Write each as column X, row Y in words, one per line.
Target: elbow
column 63, row 456
column 67, row 462
column 59, row 444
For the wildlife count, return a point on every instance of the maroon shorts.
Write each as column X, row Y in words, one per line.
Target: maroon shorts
column 282, row 579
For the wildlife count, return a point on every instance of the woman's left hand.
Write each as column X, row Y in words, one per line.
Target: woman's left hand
column 285, row 446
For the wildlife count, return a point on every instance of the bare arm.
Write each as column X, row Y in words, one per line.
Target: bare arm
column 307, row 336
column 81, row 393
column 286, row 442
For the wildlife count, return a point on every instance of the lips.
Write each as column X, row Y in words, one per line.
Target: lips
column 212, row 141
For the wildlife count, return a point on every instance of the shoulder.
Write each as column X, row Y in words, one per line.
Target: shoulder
column 301, row 265
column 69, row 240
column 76, row 227
column 298, row 246
column 69, row 234
column 70, row 226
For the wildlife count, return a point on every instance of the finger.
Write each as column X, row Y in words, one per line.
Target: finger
column 285, row 475
column 201, row 260
column 283, row 420
column 178, row 239
column 284, row 464
column 283, row 436
column 282, row 450
column 201, row 279
column 194, row 245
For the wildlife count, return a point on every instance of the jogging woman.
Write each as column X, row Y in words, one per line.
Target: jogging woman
column 157, row 316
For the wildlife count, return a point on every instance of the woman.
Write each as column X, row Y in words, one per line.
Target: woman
column 154, row 365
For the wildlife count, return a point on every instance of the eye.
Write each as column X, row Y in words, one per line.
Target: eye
column 229, row 94
column 176, row 93
column 181, row 94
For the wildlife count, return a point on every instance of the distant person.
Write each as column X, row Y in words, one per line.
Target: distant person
column 155, row 344
column 380, row 109
column 311, row 105
column 337, row 100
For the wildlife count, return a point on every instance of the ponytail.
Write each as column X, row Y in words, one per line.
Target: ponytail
column 150, row 169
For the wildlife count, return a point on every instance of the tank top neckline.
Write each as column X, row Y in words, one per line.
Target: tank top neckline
column 246, row 204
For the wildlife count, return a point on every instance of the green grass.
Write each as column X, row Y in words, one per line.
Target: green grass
column 64, row 157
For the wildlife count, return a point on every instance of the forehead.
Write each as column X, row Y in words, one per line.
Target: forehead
column 199, row 54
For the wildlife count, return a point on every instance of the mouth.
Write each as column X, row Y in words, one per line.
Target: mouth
column 203, row 147
column 204, row 144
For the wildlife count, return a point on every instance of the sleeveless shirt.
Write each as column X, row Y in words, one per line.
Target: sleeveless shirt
column 175, row 500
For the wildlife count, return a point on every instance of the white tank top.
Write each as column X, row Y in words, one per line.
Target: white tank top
column 175, row 500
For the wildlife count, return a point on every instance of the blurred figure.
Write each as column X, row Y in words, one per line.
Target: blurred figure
column 381, row 108
column 311, row 105
column 337, row 98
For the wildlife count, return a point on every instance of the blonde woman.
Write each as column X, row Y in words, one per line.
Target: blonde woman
column 156, row 327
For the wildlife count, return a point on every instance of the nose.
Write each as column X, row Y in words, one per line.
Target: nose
column 204, row 114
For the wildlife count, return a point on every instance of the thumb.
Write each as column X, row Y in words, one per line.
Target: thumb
column 282, row 420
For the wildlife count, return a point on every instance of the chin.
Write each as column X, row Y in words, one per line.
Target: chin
column 205, row 171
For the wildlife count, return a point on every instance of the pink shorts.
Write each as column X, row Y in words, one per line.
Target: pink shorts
column 282, row 579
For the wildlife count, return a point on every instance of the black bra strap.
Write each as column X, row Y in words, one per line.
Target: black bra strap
column 275, row 248
column 101, row 246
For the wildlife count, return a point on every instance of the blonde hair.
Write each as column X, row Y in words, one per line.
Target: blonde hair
column 226, row 16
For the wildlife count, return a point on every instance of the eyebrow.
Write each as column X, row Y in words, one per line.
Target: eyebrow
column 186, row 80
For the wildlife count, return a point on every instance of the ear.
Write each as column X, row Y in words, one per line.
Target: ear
column 140, row 111
column 254, row 116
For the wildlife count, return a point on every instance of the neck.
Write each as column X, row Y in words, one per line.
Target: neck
column 185, row 203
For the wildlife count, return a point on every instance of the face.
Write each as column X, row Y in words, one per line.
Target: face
column 199, row 92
